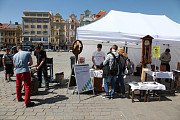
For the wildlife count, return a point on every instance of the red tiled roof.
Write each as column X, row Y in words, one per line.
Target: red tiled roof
column 100, row 13
column 4, row 25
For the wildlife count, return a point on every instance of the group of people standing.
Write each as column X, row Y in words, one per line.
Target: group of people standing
column 100, row 60
column 105, row 62
column 22, row 62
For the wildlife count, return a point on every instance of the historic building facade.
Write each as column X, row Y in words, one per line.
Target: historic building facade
column 86, row 18
column 36, row 28
column 58, row 36
column 10, row 35
column 71, row 25
column 43, row 27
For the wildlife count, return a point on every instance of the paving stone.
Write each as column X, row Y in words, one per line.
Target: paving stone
column 21, row 118
column 14, row 117
column 57, row 105
column 10, row 113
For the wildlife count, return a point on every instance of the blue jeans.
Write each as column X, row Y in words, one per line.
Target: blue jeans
column 121, row 82
column 106, row 88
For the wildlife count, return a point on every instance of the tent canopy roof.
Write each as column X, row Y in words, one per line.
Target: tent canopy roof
column 124, row 26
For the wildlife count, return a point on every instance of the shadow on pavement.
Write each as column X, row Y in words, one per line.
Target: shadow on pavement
column 50, row 100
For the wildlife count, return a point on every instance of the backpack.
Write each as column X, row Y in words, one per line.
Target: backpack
column 114, row 69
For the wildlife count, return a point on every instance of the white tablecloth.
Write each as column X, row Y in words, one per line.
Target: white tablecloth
column 147, row 86
column 96, row 73
column 177, row 71
column 160, row 74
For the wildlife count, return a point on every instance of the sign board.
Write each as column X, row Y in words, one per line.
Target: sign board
column 156, row 51
column 82, row 76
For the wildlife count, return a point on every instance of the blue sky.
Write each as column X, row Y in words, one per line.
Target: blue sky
column 13, row 9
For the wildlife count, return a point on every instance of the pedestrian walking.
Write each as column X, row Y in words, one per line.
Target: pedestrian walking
column 7, row 61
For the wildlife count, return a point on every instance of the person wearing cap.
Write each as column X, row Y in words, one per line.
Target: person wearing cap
column 122, row 64
column 98, row 57
column 165, row 58
column 7, row 61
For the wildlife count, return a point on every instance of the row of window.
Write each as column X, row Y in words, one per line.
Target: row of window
column 9, row 33
column 38, row 26
column 39, row 15
column 36, row 38
column 46, row 26
column 36, row 20
column 38, row 32
column 11, row 40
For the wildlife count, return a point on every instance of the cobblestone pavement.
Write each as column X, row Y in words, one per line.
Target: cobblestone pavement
column 56, row 104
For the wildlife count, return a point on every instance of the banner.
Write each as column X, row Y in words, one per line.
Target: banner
column 83, row 80
column 156, row 51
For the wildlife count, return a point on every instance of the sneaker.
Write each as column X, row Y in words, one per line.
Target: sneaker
column 21, row 100
column 111, row 97
column 105, row 96
column 31, row 104
column 10, row 79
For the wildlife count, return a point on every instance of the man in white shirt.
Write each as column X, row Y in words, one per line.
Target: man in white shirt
column 98, row 57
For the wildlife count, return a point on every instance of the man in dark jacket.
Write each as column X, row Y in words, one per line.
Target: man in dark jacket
column 41, row 66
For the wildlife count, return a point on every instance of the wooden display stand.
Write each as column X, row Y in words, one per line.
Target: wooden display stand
column 178, row 66
column 98, row 84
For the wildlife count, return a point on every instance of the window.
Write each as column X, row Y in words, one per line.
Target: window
column 45, row 38
column 45, row 32
column 72, row 26
column 32, row 26
column 32, row 32
column 40, row 15
column 26, row 26
column 45, row 26
column 26, row 20
column 45, row 15
column 32, row 14
column 33, row 20
column 38, row 26
column 38, row 32
column 35, row 38
column 26, row 38
column 46, row 21
column 39, row 20
column 62, row 27
column 26, row 32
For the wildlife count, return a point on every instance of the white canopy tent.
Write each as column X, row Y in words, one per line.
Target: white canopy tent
column 131, row 27
column 119, row 26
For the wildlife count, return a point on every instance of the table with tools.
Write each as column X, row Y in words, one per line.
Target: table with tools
column 144, row 86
